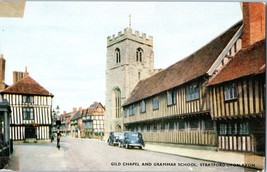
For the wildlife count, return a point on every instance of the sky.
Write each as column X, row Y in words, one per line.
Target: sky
column 63, row 43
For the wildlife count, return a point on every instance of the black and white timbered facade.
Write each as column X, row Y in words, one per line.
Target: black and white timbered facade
column 238, row 101
column 214, row 97
column 31, row 106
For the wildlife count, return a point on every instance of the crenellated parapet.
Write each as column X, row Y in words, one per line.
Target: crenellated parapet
column 128, row 34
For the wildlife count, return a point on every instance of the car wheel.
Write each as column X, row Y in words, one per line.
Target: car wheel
column 140, row 147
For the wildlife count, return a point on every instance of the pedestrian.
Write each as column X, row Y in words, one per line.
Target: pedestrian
column 52, row 138
column 58, row 139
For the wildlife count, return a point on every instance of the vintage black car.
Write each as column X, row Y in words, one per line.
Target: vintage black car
column 132, row 139
column 114, row 138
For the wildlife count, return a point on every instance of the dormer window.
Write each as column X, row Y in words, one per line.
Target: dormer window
column 192, row 92
column 230, row 92
column 139, row 54
column 118, row 55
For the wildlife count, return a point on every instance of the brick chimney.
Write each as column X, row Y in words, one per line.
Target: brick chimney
column 254, row 22
column 2, row 72
column 17, row 76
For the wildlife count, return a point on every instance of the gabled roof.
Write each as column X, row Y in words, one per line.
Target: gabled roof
column 27, row 85
column 249, row 61
column 93, row 107
column 186, row 70
column 76, row 116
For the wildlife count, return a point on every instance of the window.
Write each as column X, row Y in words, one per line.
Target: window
column 181, row 124
column 223, row 129
column 28, row 113
column 131, row 110
column 118, row 55
column 154, row 127
column 142, row 128
column 243, row 128
column 208, row 124
column 193, row 124
column 27, row 99
column 117, row 102
column 232, row 129
column 171, row 125
column 162, row 126
column 230, row 91
column 139, row 54
column 171, row 97
column 192, row 92
column 148, row 127
column 142, row 106
column 155, row 103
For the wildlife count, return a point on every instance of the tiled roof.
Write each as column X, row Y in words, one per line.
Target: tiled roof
column 188, row 69
column 27, row 85
column 76, row 116
column 249, row 61
column 93, row 107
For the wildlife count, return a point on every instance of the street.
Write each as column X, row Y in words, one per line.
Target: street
column 95, row 155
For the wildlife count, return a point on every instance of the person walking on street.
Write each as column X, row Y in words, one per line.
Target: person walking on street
column 58, row 139
column 52, row 138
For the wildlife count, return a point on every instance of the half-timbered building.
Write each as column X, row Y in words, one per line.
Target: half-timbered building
column 82, row 121
column 238, row 102
column 31, row 106
column 93, row 119
column 213, row 97
column 237, row 91
column 172, row 106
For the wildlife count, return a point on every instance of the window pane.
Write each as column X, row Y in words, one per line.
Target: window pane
column 192, row 92
column 169, row 97
column 174, row 97
column 155, row 103
column 223, row 128
column 181, row 124
column 193, row 123
column 208, row 124
column 171, row 125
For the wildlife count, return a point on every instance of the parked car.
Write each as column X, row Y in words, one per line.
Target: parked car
column 132, row 139
column 114, row 138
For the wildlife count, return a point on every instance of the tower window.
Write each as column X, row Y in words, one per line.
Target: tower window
column 117, row 102
column 139, row 54
column 118, row 55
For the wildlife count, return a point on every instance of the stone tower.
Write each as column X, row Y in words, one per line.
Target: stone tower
column 130, row 58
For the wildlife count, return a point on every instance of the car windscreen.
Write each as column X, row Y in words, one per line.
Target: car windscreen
column 118, row 134
column 135, row 135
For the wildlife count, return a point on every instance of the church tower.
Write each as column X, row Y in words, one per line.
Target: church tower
column 130, row 58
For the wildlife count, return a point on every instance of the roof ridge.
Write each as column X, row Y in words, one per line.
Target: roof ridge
column 27, row 85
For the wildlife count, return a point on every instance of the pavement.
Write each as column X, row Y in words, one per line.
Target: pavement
column 53, row 160
column 210, row 154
